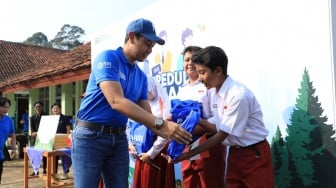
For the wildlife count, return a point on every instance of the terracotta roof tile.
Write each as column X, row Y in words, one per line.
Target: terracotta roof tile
column 16, row 58
column 41, row 63
column 70, row 61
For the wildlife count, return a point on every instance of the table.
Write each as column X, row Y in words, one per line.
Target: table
column 51, row 175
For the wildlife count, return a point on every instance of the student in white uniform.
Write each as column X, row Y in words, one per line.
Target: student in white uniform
column 201, row 172
column 146, row 175
column 239, row 124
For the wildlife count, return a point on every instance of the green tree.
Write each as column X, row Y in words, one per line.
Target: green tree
column 280, row 161
column 68, row 38
column 295, row 180
column 297, row 140
column 298, row 136
column 323, row 142
column 37, row 39
column 310, row 142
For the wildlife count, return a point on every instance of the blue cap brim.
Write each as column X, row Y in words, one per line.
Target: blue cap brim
column 154, row 38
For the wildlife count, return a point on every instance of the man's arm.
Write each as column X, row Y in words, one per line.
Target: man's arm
column 68, row 124
column 145, row 105
column 32, row 126
column 115, row 97
column 68, row 128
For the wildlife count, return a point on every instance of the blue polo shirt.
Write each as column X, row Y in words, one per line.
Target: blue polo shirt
column 111, row 65
column 6, row 129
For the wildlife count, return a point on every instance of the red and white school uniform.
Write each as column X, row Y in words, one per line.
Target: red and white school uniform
column 145, row 174
column 237, row 112
column 202, row 172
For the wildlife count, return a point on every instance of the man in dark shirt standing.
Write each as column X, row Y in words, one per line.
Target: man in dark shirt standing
column 35, row 120
column 34, row 126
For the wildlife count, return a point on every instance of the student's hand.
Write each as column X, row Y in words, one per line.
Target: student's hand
column 132, row 150
column 167, row 157
column 145, row 158
column 182, row 157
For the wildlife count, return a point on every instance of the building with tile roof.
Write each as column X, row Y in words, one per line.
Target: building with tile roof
column 30, row 73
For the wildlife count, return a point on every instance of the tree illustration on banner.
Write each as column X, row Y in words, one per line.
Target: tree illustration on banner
column 307, row 155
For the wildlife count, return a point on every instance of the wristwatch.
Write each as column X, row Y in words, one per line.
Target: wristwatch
column 159, row 123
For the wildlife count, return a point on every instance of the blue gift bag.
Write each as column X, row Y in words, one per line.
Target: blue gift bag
column 187, row 113
column 141, row 137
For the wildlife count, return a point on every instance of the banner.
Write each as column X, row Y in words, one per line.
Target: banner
column 282, row 50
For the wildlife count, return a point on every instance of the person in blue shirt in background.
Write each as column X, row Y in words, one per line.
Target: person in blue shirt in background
column 6, row 131
column 116, row 91
column 25, row 122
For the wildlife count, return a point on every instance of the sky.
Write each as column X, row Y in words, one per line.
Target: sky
column 20, row 19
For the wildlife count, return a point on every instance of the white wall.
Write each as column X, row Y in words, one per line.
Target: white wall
column 268, row 42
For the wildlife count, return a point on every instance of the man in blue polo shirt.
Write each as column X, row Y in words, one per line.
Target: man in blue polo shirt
column 116, row 91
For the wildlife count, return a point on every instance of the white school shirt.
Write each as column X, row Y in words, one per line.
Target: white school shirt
column 158, row 92
column 194, row 91
column 237, row 112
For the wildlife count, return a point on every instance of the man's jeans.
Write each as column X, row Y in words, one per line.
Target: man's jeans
column 95, row 154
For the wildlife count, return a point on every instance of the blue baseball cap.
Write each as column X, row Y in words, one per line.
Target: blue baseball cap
column 146, row 29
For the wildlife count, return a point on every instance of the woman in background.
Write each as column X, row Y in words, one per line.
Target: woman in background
column 63, row 127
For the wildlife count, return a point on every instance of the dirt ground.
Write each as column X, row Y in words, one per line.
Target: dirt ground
column 12, row 175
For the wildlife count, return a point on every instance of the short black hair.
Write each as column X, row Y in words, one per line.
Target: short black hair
column 191, row 49
column 4, row 100
column 38, row 102
column 56, row 104
column 211, row 57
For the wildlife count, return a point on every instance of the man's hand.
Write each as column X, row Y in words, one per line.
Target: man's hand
column 173, row 131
